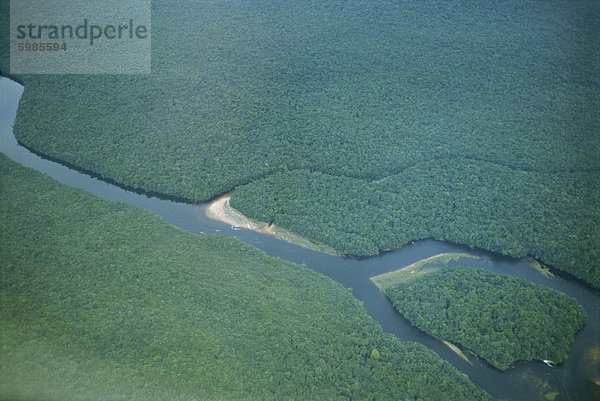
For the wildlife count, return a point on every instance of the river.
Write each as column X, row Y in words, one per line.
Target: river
column 521, row 382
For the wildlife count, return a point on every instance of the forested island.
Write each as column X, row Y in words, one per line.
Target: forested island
column 500, row 318
column 104, row 300
column 473, row 123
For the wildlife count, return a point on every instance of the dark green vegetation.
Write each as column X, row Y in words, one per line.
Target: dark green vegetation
column 353, row 91
column 550, row 216
column 500, row 318
column 100, row 300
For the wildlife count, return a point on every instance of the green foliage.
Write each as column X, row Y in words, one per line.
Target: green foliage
column 4, row 36
column 355, row 92
column 500, row 318
column 363, row 90
column 553, row 217
column 100, row 300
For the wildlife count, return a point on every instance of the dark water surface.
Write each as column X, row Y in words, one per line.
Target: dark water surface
column 524, row 381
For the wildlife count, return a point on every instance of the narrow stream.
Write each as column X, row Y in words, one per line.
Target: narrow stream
column 523, row 381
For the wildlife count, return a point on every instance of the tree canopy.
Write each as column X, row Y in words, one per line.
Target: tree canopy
column 362, row 91
column 101, row 300
column 500, row 318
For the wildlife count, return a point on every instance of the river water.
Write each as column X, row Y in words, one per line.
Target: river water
column 523, row 381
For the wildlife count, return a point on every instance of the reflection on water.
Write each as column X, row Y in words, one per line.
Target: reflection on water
column 525, row 381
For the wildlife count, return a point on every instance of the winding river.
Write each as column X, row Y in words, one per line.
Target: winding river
column 524, row 381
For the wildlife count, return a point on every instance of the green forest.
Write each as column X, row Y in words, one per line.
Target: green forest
column 101, row 300
column 500, row 318
column 368, row 101
column 517, row 213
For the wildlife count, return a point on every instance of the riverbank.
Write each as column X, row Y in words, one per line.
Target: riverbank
column 386, row 280
column 221, row 210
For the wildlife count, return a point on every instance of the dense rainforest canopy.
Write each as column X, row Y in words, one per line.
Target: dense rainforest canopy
column 358, row 91
column 550, row 216
column 101, row 300
column 500, row 318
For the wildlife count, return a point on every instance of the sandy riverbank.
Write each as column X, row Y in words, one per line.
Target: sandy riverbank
column 221, row 210
column 385, row 280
